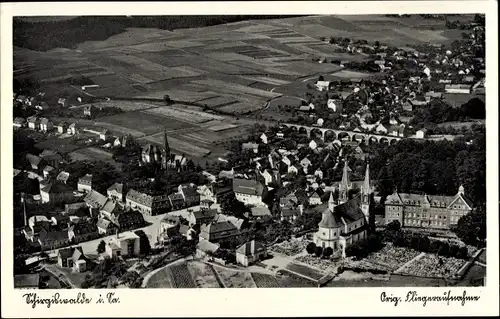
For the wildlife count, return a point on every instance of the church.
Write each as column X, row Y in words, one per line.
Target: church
column 346, row 221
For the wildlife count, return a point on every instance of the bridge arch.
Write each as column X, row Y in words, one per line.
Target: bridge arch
column 393, row 141
column 372, row 140
column 316, row 133
column 384, row 140
column 303, row 130
column 330, row 136
column 343, row 135
column 359, row 137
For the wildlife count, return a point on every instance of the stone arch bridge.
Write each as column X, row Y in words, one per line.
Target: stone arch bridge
column 327, row 134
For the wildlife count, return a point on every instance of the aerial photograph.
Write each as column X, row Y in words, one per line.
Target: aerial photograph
column 232, row 151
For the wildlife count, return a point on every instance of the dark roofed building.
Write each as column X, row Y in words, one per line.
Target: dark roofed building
column 56, row 192
column 82, row 231
column 215, row 232
column 52, row 239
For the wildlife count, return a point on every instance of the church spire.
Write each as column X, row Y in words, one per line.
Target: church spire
column 331, row 202
column 366, row 184
column 344, row 184
column 166, row 150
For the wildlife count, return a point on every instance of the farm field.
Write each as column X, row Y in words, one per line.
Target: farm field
column 143, row 122
column 235, row 279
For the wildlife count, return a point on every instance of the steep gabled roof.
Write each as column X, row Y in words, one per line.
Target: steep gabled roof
column 249, row 187
column 250, row 248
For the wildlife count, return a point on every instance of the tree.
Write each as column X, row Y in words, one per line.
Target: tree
column 424, row 244
column 101, row 247
column 318, row 251
column 395, row 225
column 328, row 252
column 311, row 248
column 321, row 78
column 444, row 249
column 166, row 98
column 434, row 246
column 471, row 228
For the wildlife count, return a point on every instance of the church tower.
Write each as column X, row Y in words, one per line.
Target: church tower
column 331, row 203
column 366, row 191
column 344, row 186
column 166, row 151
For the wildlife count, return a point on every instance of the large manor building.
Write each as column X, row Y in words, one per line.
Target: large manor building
column 429, row 211
column 345, row 222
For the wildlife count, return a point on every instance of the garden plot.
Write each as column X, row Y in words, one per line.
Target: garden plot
column 265, row 281
column 203, row 275
column 222, row 127
column 235, row 279
column 431, row 265
column 347, row 74
column 272, row 44
column 180, row 276
column 317, row 262
column 201, row 137
column 392, row 257
column 185, row 115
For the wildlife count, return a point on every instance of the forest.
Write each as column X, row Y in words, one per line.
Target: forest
column 433, row 167
column 47, row 35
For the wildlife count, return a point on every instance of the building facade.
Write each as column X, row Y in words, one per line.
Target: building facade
column 427, row 211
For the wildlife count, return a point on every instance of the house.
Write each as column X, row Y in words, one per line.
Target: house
column 45, row 124
column 205, row 248
column 88, row 110
column 407, row 106
column 33, row 122
column 294, row 169
column 176, row 201
column 249, row 191
column 48, row 171
column 62, row 176
column 148, row 204
column 202, row 216
column 190, row 195
column 334, row 105
column 104, row 134
column 83, row 231
column 290, row 213
column 19, row 122
column 286, row 161
column 124, row 244
column 290, row 200
column 458, row 88
column 263, row 138
column 216, row 232
column 95, row 201
column 239, row 223
column 63, row 102
column 51, row 157
column 187, row 231
column 250, row 252
column 268, row 177
column 60, row 220
column 85, row 183
column 53, row 239
column 381, row 129
column 106, row 227
column 56, row 192
column 250, row 146
column 27, row 281
column 323, row 85
column 421, row 133
column 314, row 199
column 260, row 212
column 116, row 192
column 71, row 257
column 318, row 173
column 305, row 163
column 128, row 220
column 61, row 127
column 77, row 209
column 42, row 106
column 396, row 130
column 72, row 130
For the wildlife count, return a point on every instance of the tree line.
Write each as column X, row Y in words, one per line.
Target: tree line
column 47, row 35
